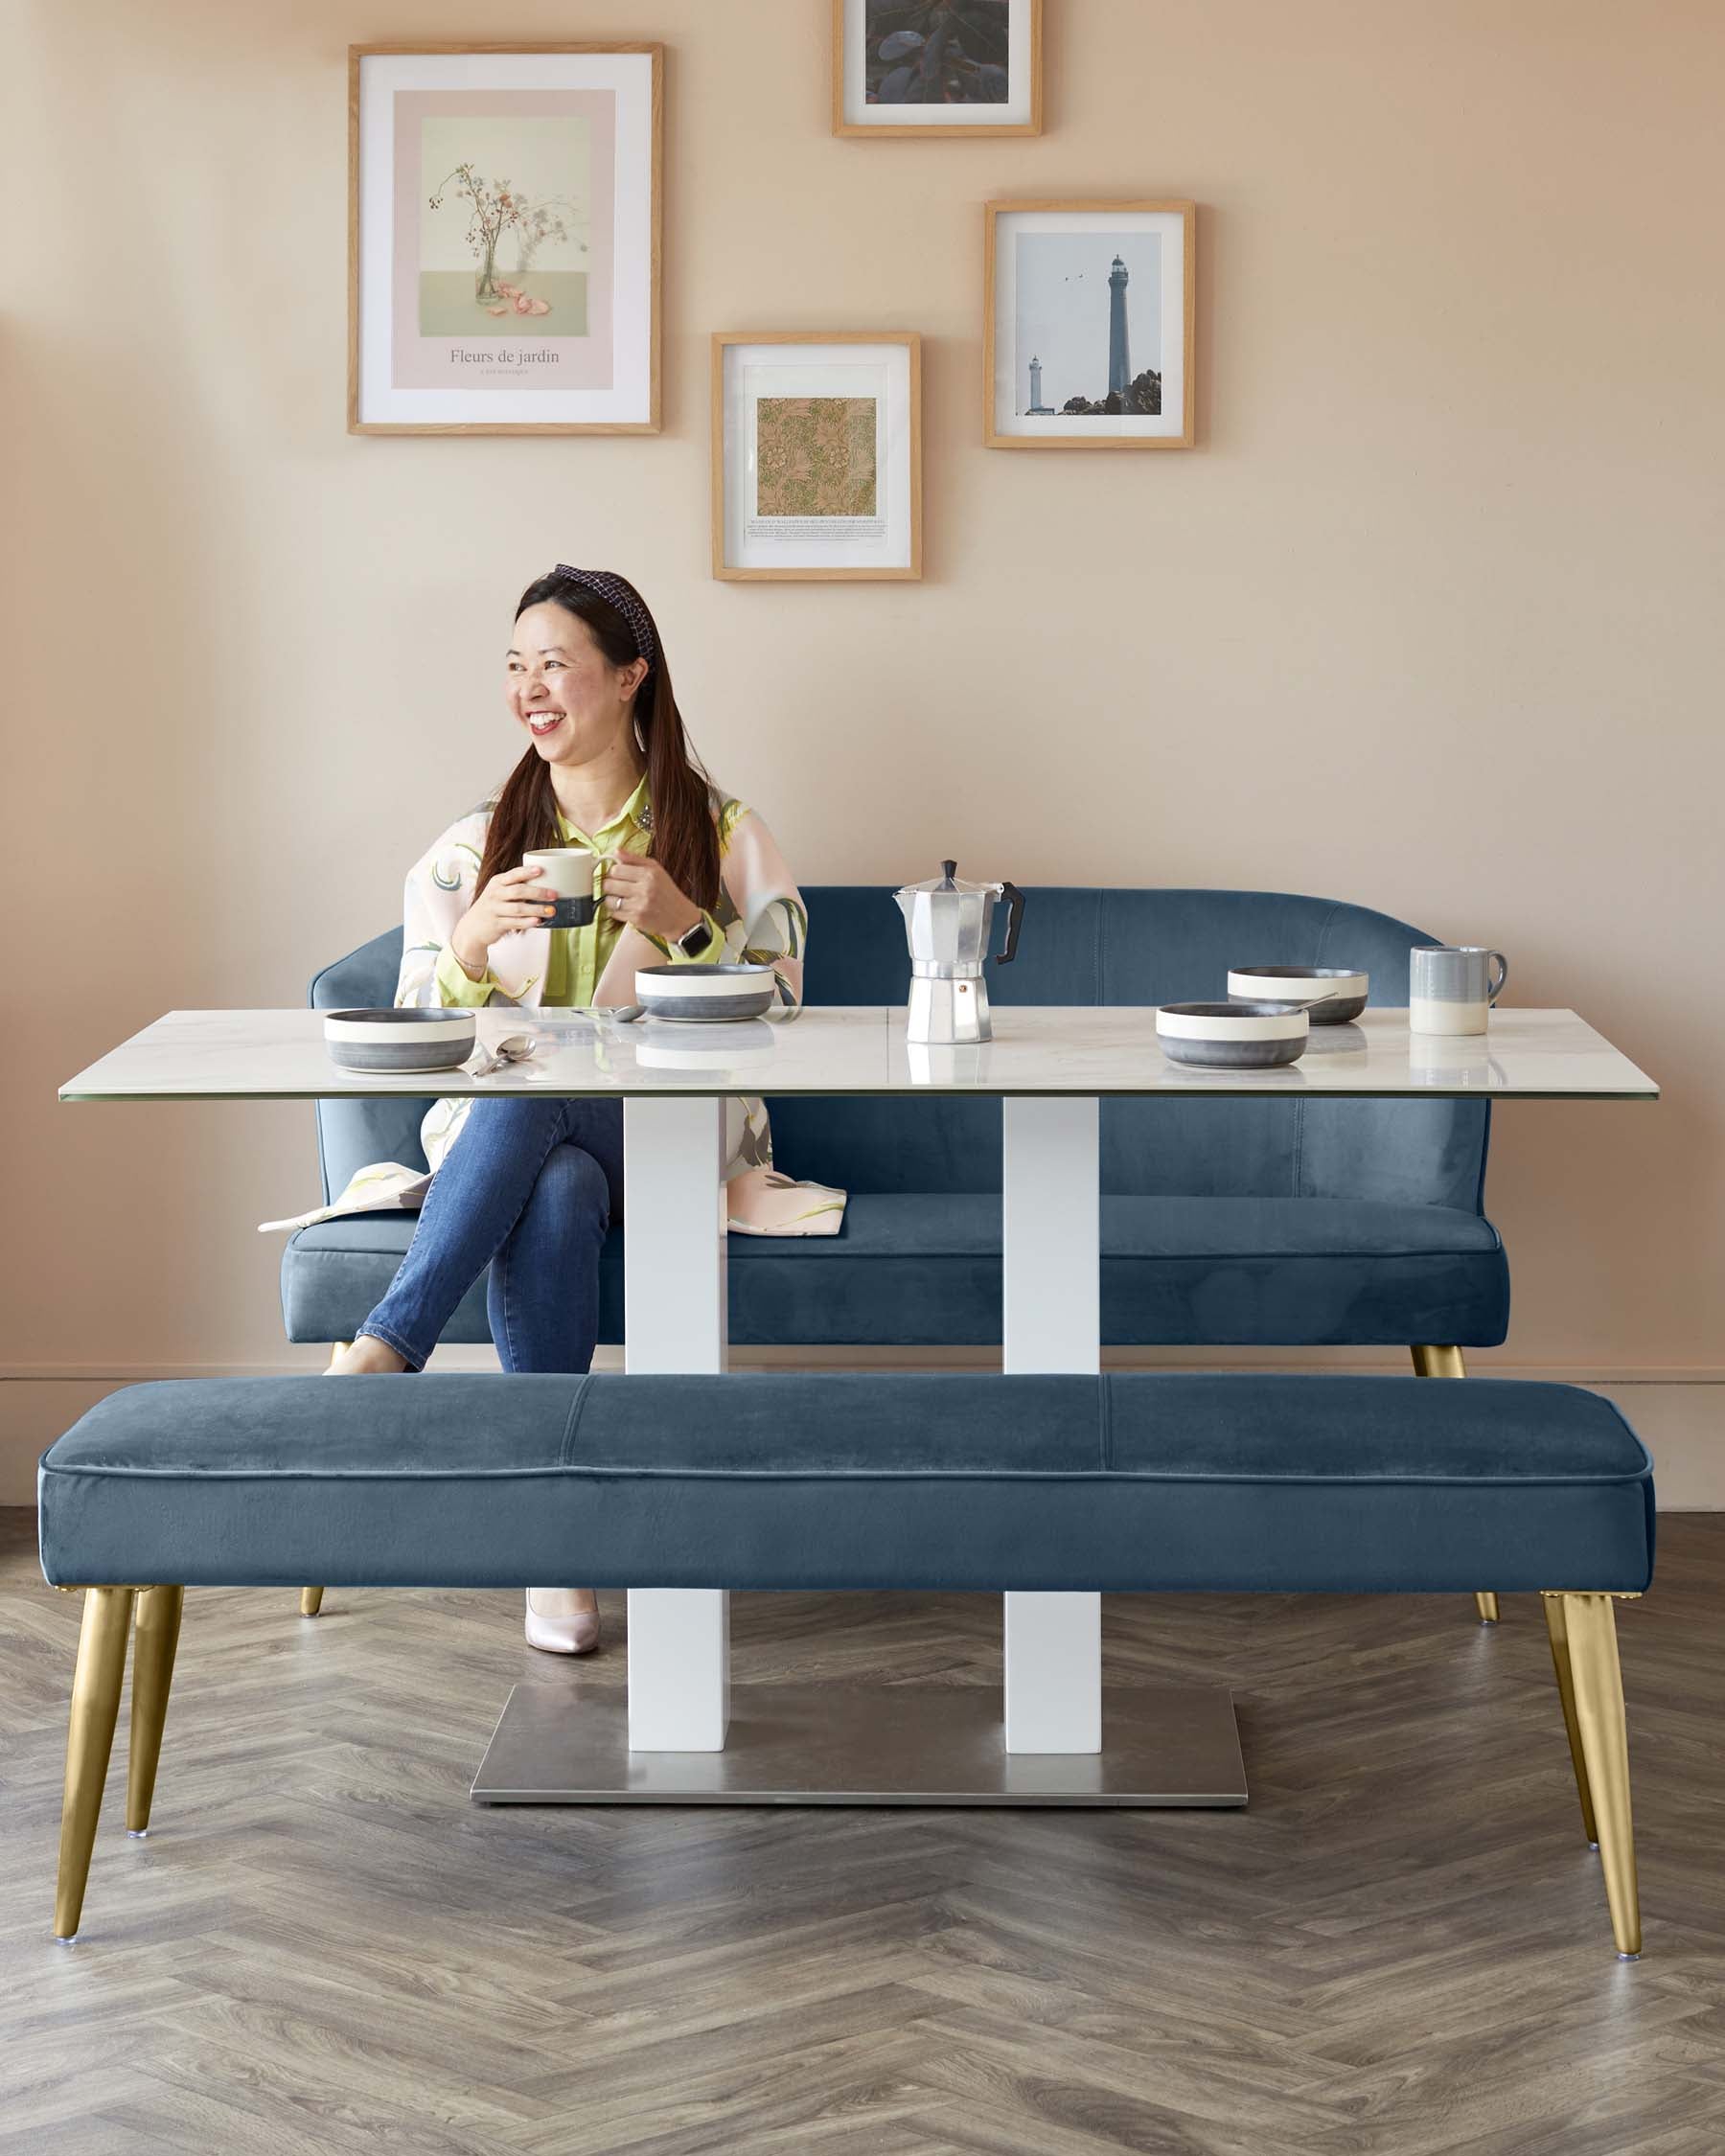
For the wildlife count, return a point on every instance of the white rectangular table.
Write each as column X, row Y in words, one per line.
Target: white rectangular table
column 1050, row 1068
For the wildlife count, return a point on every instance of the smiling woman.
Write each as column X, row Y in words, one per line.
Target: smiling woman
column 688, row 875
column 585, row 655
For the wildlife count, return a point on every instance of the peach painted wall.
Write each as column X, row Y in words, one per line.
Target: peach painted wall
column 1431, row 618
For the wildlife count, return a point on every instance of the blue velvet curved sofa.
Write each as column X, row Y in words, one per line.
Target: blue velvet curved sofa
column 1270, row 1223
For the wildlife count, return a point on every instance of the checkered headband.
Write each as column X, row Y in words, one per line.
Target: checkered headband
column 616, row 593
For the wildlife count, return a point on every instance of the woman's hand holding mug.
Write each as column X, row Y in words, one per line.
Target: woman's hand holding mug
column 638, row 891
column 506, row 904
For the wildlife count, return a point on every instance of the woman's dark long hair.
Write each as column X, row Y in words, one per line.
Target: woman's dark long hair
column 685, row 837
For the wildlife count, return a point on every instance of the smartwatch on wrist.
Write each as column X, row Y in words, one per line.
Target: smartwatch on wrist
column 696, row 938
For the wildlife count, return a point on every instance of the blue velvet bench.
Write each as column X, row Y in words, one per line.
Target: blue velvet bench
column 1161, row 1482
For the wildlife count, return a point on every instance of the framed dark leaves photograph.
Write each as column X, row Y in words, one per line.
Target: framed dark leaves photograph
column 937, row 67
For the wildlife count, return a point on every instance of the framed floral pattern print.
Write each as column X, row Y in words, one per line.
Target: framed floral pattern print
column 503, row 239
column 817, row 454
column 937, row 67
column 1087, row 325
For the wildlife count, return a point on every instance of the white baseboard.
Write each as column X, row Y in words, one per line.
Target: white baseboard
column 1680, row 1415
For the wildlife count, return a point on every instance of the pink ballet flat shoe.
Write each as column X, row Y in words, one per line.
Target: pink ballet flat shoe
column 577, row 1634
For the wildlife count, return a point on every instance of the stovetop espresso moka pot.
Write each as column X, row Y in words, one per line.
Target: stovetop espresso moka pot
column 948, row 923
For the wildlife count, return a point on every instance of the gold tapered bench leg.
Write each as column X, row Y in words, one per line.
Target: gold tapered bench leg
column 155, row 1636
column 1447, row 1361
column 1557, row 1627
column 311, row 1597
column 89, row 1741
column 1590, row 1629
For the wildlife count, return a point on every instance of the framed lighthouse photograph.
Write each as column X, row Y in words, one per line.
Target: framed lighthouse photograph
column 1087, row 325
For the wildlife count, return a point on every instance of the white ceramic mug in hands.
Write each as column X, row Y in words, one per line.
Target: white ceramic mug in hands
column 1451, row 987
column 567, row 875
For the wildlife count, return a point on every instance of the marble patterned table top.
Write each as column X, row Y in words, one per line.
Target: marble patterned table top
column 833, row 1050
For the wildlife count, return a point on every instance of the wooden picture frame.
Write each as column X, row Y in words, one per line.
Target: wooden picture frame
column 1014, row 416
column 849, row 22
column 876, row 535
column 406, row 383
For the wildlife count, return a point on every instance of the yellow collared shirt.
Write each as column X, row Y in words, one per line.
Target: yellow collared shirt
column 578, row 955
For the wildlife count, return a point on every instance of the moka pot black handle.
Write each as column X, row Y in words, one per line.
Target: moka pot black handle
column 1014, row 915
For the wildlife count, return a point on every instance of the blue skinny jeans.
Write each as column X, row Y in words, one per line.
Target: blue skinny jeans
column 529, row 1188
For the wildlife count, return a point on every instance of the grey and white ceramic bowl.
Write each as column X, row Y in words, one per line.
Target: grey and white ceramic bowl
column 705, row 994
column 408, row 1041
column 1233, row 1036
column 1332, row 994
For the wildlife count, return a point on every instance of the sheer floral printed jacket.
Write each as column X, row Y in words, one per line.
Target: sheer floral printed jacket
column 759, row 917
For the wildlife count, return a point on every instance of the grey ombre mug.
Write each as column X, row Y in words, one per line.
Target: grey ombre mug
column 1451, row 987
column 566, row 880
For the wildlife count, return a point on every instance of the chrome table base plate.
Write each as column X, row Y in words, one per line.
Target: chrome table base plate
column 873, row 1744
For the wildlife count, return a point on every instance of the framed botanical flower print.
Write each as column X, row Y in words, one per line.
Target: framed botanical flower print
column 503, row 239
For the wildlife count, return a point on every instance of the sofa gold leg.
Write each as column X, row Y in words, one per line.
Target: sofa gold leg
column 89, row 1741
column 155, row 1635
column 1447, row 1361
column 1590, row 1627
column 1439, row 1362
column 311, row 1597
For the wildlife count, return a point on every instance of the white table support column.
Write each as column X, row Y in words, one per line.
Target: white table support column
column 1051, row 1252
column 675, row 1307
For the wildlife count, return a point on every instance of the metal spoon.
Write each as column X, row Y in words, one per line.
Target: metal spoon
column 625, row 1014
column 514, row 1047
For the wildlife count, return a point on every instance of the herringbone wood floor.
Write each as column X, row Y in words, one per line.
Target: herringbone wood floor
column 1401, row 1947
